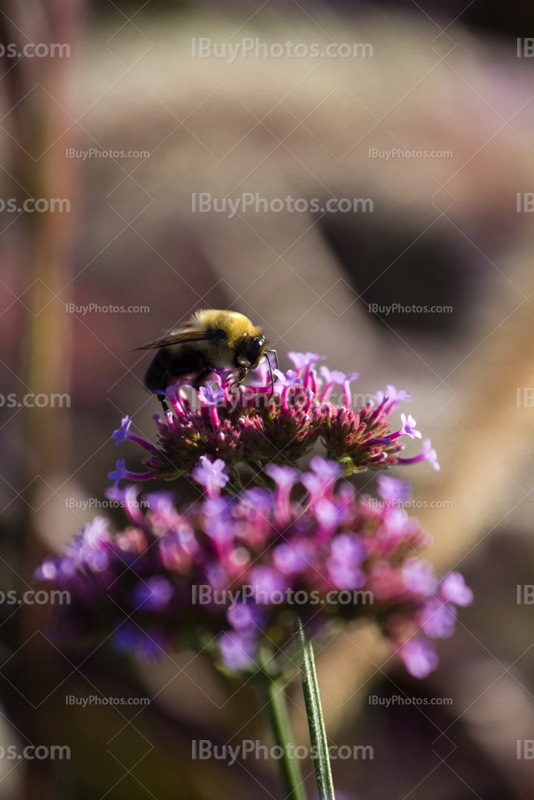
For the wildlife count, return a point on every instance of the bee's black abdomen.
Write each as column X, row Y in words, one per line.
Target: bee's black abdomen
column 168, row 364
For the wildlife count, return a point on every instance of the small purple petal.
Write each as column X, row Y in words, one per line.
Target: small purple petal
column 292, row 558
column 322, row 477
column 429, row 454
column 118, row 474
column 349, row 548
column 333, row 376
column 395, row 396
column 211, row 396
column 210, row 475
column 284, row 477
column 347, row 552
column 397, row 522
column 218, row 523
column 419, row 656
column 48, row 570
column 393, row 489
column 453, row 590
column 438, row 620
column 408, row 427
column 344, row 576
column 303, row 360
column 268, row 585
column 122, row 433
column 237, row 652
column 324, row 469
column 328, row 515
column 418, row 576
column 246, row 618
column 285, row 381
column 153, row 594
column 160, row 502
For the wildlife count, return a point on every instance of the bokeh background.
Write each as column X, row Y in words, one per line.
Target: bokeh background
column 453, row 231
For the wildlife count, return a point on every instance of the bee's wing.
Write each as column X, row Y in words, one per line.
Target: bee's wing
column 179, row 336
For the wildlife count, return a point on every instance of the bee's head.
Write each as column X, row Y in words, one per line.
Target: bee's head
column 249, row 350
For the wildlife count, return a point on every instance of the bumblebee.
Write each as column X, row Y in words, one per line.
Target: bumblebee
column 210, row 340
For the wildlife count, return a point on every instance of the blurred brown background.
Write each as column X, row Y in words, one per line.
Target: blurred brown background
column 120, row 230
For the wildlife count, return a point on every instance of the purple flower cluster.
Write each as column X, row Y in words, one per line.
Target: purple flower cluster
column 231, row 573
column 256, row 426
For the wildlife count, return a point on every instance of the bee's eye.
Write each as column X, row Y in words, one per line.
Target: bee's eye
column 256, row 348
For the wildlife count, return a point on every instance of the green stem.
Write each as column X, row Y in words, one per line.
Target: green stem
column 261, row 475
column 274, row 701
column 234, row 484
column 310, row 687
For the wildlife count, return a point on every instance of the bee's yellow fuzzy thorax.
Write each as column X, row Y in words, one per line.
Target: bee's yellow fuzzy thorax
column 232, row 323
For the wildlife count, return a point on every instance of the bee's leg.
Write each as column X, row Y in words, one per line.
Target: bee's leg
column 163, row 400
column 237, row 378
column 275, row 354
column 202, row 377
column 271, row 368
column 167, row 377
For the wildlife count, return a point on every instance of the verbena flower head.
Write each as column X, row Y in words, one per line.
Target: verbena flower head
column 231, row 573
column 260, row 424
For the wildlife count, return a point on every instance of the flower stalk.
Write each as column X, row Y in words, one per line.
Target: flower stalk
column 273, row 699
column 312, row 699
